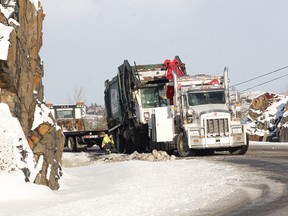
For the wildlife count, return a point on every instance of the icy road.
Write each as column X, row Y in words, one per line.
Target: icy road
column 210, row 185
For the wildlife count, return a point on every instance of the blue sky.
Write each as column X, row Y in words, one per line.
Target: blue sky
column 85, row 41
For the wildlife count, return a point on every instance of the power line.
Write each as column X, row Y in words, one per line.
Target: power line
column 259, row 76
column 264, row 83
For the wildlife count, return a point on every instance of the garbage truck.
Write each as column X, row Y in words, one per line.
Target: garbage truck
column 159, row 106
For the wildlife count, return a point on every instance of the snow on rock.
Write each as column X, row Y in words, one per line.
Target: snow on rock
column 266, row 117
column 4, row 41
column 41, row 115
column 7, row 8
column 36, row 4
column 15, row 154
column 12, row 21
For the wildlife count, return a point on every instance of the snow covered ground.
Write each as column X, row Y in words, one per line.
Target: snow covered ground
column 195, row 186
column 179, row 187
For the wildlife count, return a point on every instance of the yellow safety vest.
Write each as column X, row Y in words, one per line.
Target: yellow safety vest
column 106, row 140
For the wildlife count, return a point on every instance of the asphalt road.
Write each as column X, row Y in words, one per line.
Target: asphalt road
column 272, row 160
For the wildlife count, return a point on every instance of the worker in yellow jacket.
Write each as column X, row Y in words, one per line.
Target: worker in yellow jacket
column 108, row 144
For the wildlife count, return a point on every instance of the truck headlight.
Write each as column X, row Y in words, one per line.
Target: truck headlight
column 237, row 130
column 189, row 120
column 146, row 116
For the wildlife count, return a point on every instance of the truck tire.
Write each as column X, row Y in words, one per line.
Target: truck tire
column 71, row 144
column 240, row 150
column 182, row 146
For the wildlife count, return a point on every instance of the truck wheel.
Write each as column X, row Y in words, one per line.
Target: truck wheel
column 182, row 146
column 240, row 150
column 71, row 144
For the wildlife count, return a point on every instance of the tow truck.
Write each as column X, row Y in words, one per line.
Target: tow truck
column 196, row 117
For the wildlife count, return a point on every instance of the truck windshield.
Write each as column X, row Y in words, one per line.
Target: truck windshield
column 64, row 114
column 153, row 97
column 200, row 98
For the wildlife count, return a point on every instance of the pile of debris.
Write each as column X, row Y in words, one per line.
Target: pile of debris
column 88, row 159
column 153, row 156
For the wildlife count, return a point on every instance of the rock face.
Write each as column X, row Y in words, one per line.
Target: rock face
column 283, row 128
column 268, row 118
column 21, row 72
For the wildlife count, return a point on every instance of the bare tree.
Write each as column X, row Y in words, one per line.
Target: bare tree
column 77, row 95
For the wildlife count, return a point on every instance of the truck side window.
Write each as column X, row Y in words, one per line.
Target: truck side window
column 192, row 100
column 150, row 97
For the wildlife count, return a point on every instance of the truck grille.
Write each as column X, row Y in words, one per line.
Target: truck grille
column 217, row 127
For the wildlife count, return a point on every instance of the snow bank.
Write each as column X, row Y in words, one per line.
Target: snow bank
column 184, row 187
column 15, row 154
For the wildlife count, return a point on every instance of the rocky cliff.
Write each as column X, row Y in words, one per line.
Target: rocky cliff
column 268, row 118
column 21, row 72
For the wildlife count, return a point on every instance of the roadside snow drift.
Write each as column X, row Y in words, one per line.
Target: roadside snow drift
column 180, row 187
column 15, row 154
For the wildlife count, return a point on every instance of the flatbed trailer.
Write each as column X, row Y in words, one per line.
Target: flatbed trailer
column 70, row 118
column 75, row 140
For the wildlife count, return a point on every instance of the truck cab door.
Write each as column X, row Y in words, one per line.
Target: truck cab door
column 162, row 124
